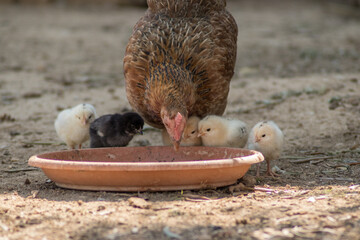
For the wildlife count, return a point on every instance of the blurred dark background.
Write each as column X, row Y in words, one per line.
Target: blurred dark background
column 141, row 3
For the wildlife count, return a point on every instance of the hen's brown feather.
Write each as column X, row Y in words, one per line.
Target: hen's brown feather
column 181, row 55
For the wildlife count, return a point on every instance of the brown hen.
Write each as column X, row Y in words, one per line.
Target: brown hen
column 179, row 62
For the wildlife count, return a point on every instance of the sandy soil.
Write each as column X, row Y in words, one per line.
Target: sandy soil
column 298, row 64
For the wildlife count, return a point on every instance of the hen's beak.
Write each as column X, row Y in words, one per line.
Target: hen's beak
column 176, row 146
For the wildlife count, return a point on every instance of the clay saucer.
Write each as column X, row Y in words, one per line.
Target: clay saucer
column 146, row 168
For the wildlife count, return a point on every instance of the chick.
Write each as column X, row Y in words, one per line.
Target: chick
column 218, row 131
column 267, row 138
column 72, row 125
column 115, row 130
column 190, row 135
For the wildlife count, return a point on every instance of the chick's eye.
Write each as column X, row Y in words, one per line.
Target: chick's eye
column 90, row 117
column 264, row 135
column 193, row 132
column 208, row 129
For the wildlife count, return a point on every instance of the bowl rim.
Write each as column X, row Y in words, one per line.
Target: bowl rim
column 45, row 163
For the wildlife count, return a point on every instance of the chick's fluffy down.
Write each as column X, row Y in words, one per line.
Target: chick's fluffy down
column 115, row 130
column 72, row 125
column 267, row 138
column 218, row 131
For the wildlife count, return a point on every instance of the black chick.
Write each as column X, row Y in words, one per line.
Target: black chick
column 115, row 130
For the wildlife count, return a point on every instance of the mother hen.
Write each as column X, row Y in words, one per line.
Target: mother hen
column 179, row 62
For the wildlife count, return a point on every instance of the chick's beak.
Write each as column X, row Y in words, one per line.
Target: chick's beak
column 84, row 120
column 200, row 134
column 257, row 139
column 139, row 131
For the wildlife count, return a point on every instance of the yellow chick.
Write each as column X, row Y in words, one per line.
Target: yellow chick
column 190, row 134
column 72, row 125
column 218, row 131
column 267, row 138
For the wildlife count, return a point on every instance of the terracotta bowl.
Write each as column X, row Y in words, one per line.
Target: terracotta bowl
column 146, row 168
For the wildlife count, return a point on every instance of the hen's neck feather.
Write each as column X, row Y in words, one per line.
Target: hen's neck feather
column 170, row 85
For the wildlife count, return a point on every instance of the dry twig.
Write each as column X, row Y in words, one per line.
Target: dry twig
column 260, row 189
column 44, row 143
column 338, row 179
column 19, row 170
column 304, row 160
column 195, row 198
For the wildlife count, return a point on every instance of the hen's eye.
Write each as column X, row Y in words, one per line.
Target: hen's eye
column 264, row 135
column 208, row 129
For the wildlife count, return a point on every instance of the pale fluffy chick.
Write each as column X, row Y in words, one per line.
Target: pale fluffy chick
column 72, row 125
column 267, row 138
column 190, row 134
column 218, row 131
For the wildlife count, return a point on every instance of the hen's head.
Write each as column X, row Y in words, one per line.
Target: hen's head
column 174, row 122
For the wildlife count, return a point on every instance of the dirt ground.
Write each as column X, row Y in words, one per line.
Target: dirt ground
column 298, row 64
